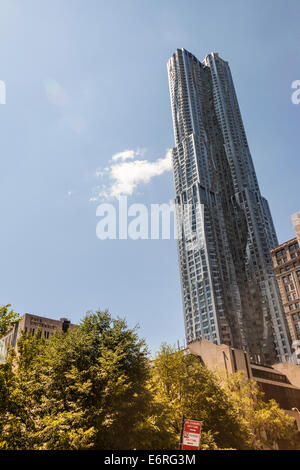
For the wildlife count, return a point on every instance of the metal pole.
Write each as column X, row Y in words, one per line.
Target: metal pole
column 181, row 432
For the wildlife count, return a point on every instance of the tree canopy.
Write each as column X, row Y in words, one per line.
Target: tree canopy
column 7, row 318
column 95, row 387
column 187, row 388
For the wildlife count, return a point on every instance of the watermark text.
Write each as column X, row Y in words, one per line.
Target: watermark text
column 296, row 94
column 2, row 92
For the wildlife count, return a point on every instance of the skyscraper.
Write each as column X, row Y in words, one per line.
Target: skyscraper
column 229, row 290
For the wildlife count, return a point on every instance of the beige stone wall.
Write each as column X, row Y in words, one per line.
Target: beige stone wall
column 221, row 357
column 273, row 381
column 290, row 370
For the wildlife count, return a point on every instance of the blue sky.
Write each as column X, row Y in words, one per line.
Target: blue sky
column 87, row 80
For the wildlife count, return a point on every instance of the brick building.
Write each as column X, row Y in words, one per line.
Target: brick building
column 31, row 324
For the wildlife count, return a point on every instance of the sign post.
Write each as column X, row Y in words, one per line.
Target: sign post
column 191, row 435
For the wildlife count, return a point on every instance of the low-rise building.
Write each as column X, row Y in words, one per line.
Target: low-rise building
column 31, row 324
column 280, row 382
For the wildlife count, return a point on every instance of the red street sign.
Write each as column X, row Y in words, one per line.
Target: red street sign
column 191, row 435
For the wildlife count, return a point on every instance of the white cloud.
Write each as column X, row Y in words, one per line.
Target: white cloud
column 125, row 176
column 126, row 155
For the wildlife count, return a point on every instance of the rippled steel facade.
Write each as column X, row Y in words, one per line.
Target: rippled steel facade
column 229, row 290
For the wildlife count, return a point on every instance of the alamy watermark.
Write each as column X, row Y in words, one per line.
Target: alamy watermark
column 296, row 94
column 2, row 92
column 154, row 222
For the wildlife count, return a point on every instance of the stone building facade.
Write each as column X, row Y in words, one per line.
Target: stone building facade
column 31, row 324
column 286, row 261
column 280, row 382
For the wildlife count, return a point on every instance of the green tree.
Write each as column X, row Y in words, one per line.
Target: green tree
column 17, row 417
column 92, row 384
column 84, row 389
column 7, row 318
column 95, row 388
column 266, row 422
column 184, row 387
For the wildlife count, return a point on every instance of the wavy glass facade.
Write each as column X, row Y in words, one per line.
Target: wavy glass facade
column 229, row 290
